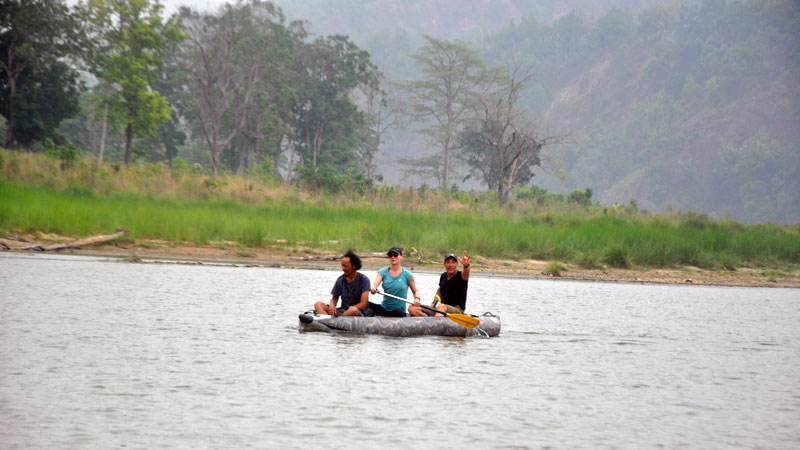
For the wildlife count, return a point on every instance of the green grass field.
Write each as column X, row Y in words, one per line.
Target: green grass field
column 616, row 241
column 194, row 210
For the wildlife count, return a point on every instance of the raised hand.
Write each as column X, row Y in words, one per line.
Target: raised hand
column 464, row 259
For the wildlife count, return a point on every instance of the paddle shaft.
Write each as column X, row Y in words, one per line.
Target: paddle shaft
column 411, row 303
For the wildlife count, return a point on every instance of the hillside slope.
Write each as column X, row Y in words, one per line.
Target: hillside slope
column 687, row 149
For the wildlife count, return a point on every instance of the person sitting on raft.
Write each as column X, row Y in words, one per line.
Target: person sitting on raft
column 452, row 290
column 395, row 280
column 352, row 287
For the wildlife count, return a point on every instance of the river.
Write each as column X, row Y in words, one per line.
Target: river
column 101, row 353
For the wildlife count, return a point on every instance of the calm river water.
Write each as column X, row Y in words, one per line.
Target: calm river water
column 99, row 353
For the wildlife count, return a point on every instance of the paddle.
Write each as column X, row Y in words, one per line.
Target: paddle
column 461, row 319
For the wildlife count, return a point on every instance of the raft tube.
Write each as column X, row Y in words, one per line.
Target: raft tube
column 399, row 326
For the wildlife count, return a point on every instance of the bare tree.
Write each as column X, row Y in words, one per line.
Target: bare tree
column 227, row 60
column 515, row 142
column 384, row 112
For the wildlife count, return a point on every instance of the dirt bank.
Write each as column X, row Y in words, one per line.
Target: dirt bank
column 232, row 253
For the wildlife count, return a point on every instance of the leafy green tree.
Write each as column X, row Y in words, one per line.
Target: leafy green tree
column 164, row 144
column 327, row 123
column 442, row 99
column 131, row 39
column 43, row 99
column 38, row 89
column 171, row 133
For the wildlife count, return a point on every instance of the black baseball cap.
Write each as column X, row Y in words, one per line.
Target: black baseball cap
column 451, row 255
column 395, row 249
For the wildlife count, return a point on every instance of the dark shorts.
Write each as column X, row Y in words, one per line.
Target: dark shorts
column 378, row 310
column 340, row 311
column 450, row 310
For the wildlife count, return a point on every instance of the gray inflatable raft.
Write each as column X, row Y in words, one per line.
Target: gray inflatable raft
column 395, row 326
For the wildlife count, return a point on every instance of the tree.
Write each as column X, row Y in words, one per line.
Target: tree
column 483, row 161
column 327, row 122
column 655, row 22
column 614, row 30
column 234, row 64
column 442, row 98
column 164, row 144
column 271, row 42
column 131, row 39
column 502, row 128
column 38, row 89
column 571, row 35
column 383, row 113
column 171, row 134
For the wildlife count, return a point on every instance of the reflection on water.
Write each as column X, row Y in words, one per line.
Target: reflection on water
column 102, row 354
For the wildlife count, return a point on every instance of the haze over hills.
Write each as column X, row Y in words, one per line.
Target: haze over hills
column 687, row 105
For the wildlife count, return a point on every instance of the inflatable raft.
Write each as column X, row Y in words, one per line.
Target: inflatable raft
column 489, row 325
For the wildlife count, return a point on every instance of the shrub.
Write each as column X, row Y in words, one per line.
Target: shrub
column 66, row 153
column 617, row 256
column 328, row 179
column 555, row 268
column 590, row 260
column 693, row 219
column 582, row 197
column 532, row 192
column 728, row 262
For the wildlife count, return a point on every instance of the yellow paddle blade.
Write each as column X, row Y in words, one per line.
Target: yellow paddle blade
column 463, row 319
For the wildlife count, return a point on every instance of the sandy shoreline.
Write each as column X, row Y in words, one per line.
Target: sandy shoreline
column 230, row 253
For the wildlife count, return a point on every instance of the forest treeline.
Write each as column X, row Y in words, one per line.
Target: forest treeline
column 240, row 85
column 259, row 95
column 691, row 106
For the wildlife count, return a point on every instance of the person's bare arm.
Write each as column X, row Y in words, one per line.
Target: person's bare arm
column 465, row 263
column 376, row 283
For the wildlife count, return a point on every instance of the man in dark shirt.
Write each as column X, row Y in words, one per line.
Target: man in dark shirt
column 352, row 287
column 452, row 287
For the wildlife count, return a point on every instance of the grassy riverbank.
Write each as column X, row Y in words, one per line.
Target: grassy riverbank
column 39, row 194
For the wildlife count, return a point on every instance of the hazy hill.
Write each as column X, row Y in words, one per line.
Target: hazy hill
column 450, row 19
column 692, row 105
column 700, row 114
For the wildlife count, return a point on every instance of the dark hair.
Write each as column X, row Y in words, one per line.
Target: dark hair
column 354, row 259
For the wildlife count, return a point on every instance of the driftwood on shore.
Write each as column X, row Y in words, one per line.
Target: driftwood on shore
column 21, row 244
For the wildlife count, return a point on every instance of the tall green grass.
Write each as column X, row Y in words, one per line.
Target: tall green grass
column 615, row 241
